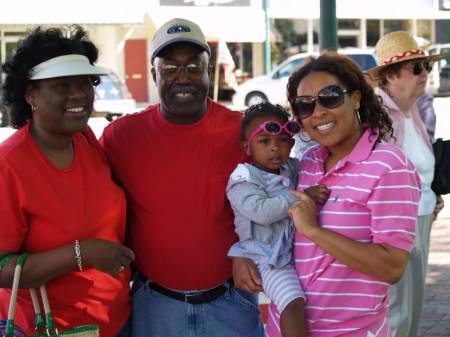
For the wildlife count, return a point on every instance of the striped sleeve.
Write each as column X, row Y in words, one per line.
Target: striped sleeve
column 394, row 201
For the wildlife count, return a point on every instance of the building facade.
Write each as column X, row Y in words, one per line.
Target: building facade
column 123, row 29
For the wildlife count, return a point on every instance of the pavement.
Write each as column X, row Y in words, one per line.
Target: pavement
column 435, row 320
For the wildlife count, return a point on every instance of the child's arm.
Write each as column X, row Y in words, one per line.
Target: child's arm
column 318, row 193
column 254, row 203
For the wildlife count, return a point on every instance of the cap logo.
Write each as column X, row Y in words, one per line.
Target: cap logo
column 178, row 29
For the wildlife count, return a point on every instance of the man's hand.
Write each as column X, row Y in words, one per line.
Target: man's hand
column 246, row 275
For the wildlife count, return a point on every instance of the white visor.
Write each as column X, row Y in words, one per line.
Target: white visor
column 66, row 65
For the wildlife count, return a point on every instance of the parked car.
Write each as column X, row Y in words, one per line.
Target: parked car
column 4, row 117
column 444, row 81
column 440, row 70
column 112, row 98
column 272, row 86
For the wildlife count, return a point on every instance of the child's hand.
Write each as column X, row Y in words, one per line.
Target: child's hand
column 318, row 193
column 303, row 214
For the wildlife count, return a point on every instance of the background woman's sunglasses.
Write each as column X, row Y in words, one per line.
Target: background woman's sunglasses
column 329, row 97
column 419, row 66
column 274, row 128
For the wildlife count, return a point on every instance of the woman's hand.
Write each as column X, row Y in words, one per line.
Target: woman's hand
column 107, row 256
column 439, row 206
column 246, row 275
column 381, row 260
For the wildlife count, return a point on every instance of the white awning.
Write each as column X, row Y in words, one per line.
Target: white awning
column 31, row 12
column 353, row 9
column 238, row 24
column 389, row 10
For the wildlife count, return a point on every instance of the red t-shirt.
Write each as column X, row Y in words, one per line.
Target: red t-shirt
column 42, row 208
column 180, row 224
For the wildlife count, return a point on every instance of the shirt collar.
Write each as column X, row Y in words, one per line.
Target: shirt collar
column 360, row 152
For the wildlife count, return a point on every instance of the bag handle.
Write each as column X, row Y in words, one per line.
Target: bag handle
column 437, row 147
column 39, row 319
column 49, row 322
column 5, row 259
column 46, row 324
column 9, row 331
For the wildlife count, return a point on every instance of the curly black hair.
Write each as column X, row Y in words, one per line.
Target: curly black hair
column 38, row 46
column 263, row 108
column 372, row 112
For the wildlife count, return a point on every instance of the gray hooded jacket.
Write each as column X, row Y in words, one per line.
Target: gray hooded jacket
column 261, row 216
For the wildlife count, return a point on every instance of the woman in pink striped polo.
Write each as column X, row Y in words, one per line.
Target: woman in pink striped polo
column 350, row 249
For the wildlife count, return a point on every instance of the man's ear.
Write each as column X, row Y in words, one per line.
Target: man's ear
column 244, row 146
column 154, row 75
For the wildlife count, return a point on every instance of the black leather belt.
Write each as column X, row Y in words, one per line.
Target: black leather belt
column 197, row 297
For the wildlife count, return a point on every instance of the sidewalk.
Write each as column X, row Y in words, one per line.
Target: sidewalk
column 436, row 313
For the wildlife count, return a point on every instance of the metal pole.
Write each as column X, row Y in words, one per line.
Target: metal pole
column 216, row 73
column 267, row 49
column 328, row 25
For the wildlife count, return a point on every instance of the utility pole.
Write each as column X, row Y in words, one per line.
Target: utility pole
column 328, row 25
column 267, row 47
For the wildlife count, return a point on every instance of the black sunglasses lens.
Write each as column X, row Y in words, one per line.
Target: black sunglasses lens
column 417, row 68
column 293, row 127
column 272, row 128
column 305, row 106
column 331, row 97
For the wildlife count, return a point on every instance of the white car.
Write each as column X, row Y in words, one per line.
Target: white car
column 272, row 87
column 112, row 98
column 438, row 78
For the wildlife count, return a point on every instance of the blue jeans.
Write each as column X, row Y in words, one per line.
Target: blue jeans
column 235, row 314
column 126, row 329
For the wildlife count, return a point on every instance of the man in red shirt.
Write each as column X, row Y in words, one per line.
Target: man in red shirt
column 174, row 159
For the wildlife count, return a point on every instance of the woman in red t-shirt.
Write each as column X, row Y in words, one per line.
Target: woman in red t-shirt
column 57, row 199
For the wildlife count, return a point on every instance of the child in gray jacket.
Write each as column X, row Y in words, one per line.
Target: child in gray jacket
column 260, row 196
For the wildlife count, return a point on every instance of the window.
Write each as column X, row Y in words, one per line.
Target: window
column 229, row 3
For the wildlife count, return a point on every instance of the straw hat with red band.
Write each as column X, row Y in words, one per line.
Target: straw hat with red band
column 398, row 47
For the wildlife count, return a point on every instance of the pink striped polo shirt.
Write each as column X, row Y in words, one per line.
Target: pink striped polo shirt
column 375, row 193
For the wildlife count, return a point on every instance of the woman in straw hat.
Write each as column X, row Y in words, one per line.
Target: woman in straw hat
column 401, row 79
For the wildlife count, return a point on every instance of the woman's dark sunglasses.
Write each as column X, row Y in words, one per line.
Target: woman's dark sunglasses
column 329, row 97
column 419, row 66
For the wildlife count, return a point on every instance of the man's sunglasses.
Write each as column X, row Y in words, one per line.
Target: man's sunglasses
column 274, row 128
column 329, row 97
column 419, row 66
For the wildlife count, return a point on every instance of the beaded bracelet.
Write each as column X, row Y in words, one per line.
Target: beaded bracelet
column 78, row 255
